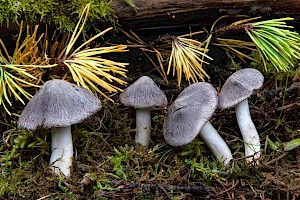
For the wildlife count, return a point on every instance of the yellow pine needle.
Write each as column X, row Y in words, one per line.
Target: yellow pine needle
column 161, row 70
column 9, row 81
column 94, row 63
column 196, row 66
column 96, row 89
column 244, row 21
column 22, row 68
column 178, row 66
column 94, row 66
column 80, row 74
column 101, row 50
column 232, row 45
column 88, row 74
column 74, row 75
column 77, row 33
column 279, row 20
column 154, row 64
column 135, row 37
column 93, row 38
column 235, row 43
column 171, row 58
column 186, row 57
column 137, row 42
column 190, row 34
column 5, row 90
column 105, row 64
column 86, row 65
column 19, row 37
column 22, row 81
column 21, row 59
column 6, row 52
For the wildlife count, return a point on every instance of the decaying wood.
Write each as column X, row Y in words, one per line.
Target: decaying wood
column 150, row 13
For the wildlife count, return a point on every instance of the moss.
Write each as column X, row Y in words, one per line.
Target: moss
column 61, row 14
column 108, row 165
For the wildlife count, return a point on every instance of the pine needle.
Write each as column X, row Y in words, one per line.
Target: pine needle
column 186, row 57
column 86, row 66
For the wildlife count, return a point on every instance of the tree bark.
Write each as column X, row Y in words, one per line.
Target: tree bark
column 163, row 13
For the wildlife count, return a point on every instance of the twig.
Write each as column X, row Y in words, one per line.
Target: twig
column 255, row 193
column 278, row 158
column 287, row 106
column 228, row 189
column 45, row 197
column 266, row 144
column 188, row 189
column 163, row 189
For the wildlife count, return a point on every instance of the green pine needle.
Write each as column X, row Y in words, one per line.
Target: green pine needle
column 276, row 43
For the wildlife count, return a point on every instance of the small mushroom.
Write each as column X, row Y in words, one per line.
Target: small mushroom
column 189, row 115
column 58, row 105
column 234, row 93
column 144, row 95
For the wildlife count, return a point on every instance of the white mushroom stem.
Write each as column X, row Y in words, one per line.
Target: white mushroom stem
column 61, row 150
column 248, row 131
column 143, row 126
column 215, row 143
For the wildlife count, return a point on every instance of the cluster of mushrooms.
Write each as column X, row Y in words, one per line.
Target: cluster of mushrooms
column 59, row 104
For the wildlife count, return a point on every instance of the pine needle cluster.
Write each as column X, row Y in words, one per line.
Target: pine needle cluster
column 28, row 64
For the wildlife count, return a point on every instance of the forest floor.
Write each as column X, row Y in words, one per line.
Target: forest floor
column 109, row 165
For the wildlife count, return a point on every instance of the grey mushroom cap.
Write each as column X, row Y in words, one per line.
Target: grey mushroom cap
column 144, row 93
column 193, row 107
column 239, row 86
column 58, row 104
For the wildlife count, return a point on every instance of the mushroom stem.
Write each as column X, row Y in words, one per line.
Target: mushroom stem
column 61, row 150
column 143, row 126
column 215, row 143
column 248, row 131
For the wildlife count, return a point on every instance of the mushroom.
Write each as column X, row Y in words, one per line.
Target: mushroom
column 189, row 114
column 58, row 105
column 144, row 95
column 235, row 91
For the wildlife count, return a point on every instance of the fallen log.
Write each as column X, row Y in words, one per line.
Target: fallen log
column 168, row 13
